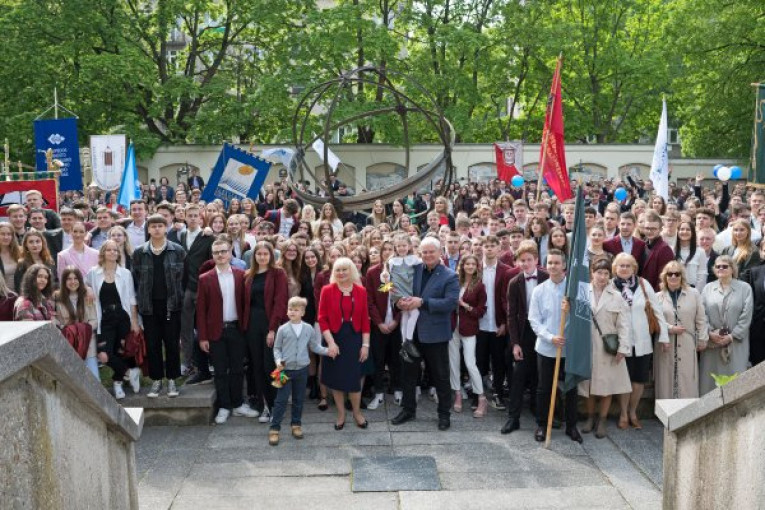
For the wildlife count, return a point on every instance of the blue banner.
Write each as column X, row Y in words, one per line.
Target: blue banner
column 60, row 135
column 237, row 174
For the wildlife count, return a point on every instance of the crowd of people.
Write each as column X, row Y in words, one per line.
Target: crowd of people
column 455, row 294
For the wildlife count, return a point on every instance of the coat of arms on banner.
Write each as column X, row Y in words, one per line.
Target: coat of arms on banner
column 237, row 174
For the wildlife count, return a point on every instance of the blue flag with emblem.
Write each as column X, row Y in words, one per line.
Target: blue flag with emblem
column 578, row 342
column 236, row 174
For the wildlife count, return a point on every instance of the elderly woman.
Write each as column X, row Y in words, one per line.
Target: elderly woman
column 637, row 292
column 610, row 315
column 676, row 371
column 728, row 303
column 344, row 323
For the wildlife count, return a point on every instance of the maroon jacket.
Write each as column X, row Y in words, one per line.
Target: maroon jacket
column 614, row 247
column 660, row 255
column 507, row 258
column 468, row 320
column 275, row 217
column 500, row 293
column 277, row 296
column 518, row 314
column 378, row 301
column 210, row 304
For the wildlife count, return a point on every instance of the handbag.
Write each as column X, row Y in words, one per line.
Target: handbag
column 79, row 335
column 135, row 347
column 610, row 340
column 653, row 323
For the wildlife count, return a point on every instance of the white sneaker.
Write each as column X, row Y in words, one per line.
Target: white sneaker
column 172, row 390
column 398, row 397
column 433, row 395
column 156, row 387
column 135, row 379
column 376, row 402
column 119, row 393
column 222, row 416
column 246, row 411
column 265, row 416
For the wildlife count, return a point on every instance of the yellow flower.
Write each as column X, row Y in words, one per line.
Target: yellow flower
column 386, row 287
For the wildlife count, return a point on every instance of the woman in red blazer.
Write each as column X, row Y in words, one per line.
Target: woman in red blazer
column 344, row 322
column 472, row 306
column 265, row 309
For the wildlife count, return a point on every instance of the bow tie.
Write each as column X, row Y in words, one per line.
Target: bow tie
column 532, row 277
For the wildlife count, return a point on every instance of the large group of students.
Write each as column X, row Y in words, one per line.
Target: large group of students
column 453, row 293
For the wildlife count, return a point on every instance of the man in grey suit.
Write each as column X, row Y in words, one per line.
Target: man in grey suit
column 436, row 291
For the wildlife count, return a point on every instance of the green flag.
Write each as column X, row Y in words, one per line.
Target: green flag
column 757, row 169
column 578, row 342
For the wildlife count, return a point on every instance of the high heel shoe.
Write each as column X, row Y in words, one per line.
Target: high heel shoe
column 361, row 425
column 339, row 426
column 323, row 404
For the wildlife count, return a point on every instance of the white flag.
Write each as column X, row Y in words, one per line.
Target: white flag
column 660, row 164
column 332, row 158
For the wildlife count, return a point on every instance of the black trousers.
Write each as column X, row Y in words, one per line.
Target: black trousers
column 227, row 356
column 546, row 368
column 492, row 348
column 262, row 362
column 381, row 347
column 524, row 373
column 115, row 326
column 436, row 357
column 163, row 330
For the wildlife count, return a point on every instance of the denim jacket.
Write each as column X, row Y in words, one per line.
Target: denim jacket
column 143, row 276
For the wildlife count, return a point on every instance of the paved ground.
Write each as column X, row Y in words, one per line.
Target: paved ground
column 232, row 466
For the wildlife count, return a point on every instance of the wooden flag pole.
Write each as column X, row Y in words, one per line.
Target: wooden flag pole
column 554, row 392
column 551, row 107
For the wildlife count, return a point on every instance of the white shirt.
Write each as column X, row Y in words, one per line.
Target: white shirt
column 191, row 236
column 297, row 328
column 544, row 315
column 489, row 322
column 530, row 286
column 285, row 225
column 226, row 282
column 136, row 234
column 66, row 240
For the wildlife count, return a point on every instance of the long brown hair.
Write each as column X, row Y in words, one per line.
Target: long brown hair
column 291, row 268
column 254, row 266
column 63, row 295
column 44, row 254
column 14, row 247
column 745, row 248
column 29, row 288
column 477, row 277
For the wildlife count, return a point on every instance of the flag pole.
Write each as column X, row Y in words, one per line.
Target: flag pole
column 551, row 413
column 550, row 108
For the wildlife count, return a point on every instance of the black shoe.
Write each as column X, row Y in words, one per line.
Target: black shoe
column 539, row 435
column 339, row 426
column 444, row 423
column 361, row 425
column 574, row 434
column 511, row 426
column 409, row 352
column 497, row 403
column 403, row 417
column 322, row 406
column 198, row 378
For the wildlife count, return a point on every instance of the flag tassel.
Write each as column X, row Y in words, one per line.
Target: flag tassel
column 556, row 373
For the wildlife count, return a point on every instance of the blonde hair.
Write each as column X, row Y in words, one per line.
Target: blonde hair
column 675, row 267
column 624, row 257
column 297, row 302
column 348, row 264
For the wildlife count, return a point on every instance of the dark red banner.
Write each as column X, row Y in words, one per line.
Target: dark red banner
column 552, row 154
column 15, row 192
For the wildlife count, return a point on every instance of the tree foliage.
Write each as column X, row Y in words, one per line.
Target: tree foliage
column 205, row 71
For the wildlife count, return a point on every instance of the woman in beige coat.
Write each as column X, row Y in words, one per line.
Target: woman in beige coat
column 676, row 370
column 609, row 371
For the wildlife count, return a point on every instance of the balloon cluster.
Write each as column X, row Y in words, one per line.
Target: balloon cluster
column 725, row 173
column 517, row 181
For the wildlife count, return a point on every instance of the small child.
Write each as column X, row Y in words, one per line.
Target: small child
column 291, row 354
column 400, row 272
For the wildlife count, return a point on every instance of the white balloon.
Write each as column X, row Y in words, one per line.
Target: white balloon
column 724, row 173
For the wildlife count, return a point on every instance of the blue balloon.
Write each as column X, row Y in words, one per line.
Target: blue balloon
column 715, row 169
column 735, row 172
column 517, row 181
column 620, row 194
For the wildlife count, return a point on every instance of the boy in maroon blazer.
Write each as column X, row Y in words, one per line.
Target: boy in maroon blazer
column 220, row 312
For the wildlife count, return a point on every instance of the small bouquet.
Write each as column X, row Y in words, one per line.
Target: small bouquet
column 279, row 377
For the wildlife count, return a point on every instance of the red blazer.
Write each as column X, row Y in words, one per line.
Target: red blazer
column 378, row 301
column 322, row 279
column 614, row 246
column 210, row 304
column 468, row 321
column 329, row 309
column 507, row 258
column 518, row 314
column 277, row 296
column 661, row 255
column 501, row 280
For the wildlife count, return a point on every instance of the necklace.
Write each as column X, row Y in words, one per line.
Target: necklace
column 157, row 251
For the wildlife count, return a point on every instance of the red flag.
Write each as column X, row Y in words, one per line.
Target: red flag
column 505, row 156
column 552, row 155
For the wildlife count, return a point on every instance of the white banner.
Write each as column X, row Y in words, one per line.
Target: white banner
column 332, row 160
column 107, row 156
column 660, row 164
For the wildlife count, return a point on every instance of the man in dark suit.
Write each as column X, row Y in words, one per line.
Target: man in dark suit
column 220, row 315
column 657, row 252
column 755, row 277
column 522, row 337
column 626, row 241
column 195, row 181
column 436, row 291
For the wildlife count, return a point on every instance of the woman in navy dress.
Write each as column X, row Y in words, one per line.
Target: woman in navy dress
column 344, row 321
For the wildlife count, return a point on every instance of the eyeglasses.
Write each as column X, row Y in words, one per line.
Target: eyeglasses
column 220, row 252
column 722, row 266
column 673, row 275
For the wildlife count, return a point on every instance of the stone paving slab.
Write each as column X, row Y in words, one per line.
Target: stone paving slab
column 387, row 474
column 510, row 499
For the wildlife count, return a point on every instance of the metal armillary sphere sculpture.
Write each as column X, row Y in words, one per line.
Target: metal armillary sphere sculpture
column 328, row 96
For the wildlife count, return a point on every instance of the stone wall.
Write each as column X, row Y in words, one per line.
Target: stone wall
column 64, row 441
column 714, row 447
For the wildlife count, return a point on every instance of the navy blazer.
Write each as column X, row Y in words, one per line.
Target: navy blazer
column 440, row 297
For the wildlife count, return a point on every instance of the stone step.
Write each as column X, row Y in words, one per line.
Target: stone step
column 194, row 406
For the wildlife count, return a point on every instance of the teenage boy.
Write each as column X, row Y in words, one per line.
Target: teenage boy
column 157, row 273
column 34, row 200
column 100, row 234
